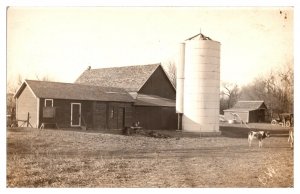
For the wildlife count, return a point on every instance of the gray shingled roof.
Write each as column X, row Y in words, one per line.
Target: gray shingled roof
column 130, row 78
column 58, row 90
column 152, row 100
column 247, row 106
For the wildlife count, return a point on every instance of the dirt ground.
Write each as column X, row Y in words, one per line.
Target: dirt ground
column 64, row 158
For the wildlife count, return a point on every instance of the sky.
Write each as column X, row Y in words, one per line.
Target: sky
column 61, row 42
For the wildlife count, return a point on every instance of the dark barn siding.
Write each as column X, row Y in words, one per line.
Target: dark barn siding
column 63, row 112
column 99, row 115
column 251, row 117
column 96, row 114
column 156, row 117
column 261, row 115
column 119, row 115
column 159, row 84
column 257, row 116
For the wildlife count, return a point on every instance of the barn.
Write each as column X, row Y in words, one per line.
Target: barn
column 150, row 87
column 108, row 98
column 248, row 111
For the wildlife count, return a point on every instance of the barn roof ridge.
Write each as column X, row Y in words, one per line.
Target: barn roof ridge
column 125, row 66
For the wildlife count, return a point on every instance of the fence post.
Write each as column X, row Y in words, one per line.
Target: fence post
column 27, row 119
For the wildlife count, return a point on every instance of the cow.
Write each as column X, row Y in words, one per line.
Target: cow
column 291, row 138
column 259, row 135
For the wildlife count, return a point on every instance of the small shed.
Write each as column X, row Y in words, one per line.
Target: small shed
column 247, row 111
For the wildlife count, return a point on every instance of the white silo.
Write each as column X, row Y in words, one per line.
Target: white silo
column 180, row 79
column 201, row 85
column 180, row 84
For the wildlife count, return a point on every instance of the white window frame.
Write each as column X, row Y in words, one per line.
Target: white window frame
column 48, row 99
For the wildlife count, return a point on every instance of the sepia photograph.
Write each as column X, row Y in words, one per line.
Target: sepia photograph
column 150, row 97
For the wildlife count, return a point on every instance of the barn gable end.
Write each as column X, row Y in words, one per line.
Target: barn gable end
column 26, row 102
column 159, row 84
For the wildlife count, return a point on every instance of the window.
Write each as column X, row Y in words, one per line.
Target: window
column 48, row 102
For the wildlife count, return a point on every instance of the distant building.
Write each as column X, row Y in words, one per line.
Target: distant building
column 107, row 98
column 248, row 111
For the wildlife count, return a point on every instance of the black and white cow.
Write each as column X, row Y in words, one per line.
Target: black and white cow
column 259, row 135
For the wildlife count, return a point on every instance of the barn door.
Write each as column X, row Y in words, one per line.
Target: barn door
column 121, row 117
column 75, row 114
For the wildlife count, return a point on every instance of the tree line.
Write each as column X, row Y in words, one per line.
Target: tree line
column 276, row 89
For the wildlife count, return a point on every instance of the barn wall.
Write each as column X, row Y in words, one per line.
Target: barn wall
column 252, row 117
column 261, row 115
column 159, row 84
column 63, row 112
column 97, row 114
column 156, row 117
column 257, row 116
column 243, row 115
column 119, row 114
column 25, row 103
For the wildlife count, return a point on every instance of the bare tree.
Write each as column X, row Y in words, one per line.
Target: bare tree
column 230, row 93
column 11, row 89
column 13, row 86
column 286, row 88
column 276, row 89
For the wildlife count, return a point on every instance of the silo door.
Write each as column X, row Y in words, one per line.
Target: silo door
column 75, row 114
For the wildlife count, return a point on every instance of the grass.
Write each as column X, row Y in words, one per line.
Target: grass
column 62, row 158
